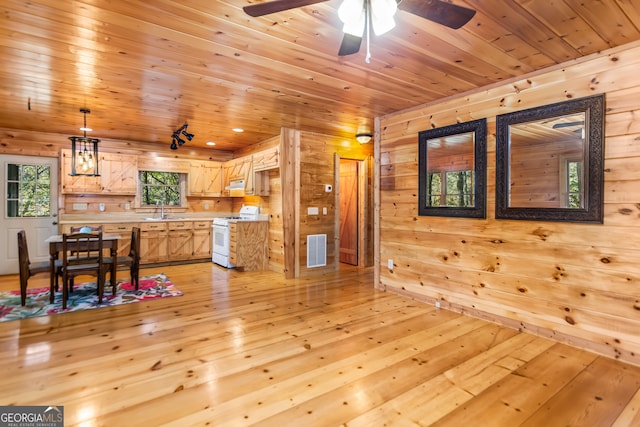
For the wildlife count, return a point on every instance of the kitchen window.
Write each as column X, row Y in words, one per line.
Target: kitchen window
column 162, row 188
column 28, row 191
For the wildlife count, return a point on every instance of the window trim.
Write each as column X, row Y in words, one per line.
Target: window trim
column 183, row 191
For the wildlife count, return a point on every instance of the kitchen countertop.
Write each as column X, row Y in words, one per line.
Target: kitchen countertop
column 124, row 218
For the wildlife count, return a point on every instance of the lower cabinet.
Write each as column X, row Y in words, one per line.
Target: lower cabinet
column 161, row 241
column 153, row 242
column 249, row 245
column 124, row 233
column 202, row 239
column 180, row 240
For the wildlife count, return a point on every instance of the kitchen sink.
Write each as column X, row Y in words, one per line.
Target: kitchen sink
column 164, row 219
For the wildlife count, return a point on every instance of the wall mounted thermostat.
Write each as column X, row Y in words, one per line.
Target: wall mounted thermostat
column 328, row 188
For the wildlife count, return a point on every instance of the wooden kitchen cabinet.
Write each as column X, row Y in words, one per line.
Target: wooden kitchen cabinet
column 249, row 245
column 179, row 240
column 263, row 162
column 153, row 242
column 202, row 239
column 76, row 184
column 205, row 178
column 118, row 174
column 124, row 231
column 240, row 168
column 266, row 159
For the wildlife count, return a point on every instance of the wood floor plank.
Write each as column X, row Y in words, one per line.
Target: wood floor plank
column 615, row 387
column 519, row 395
column 253, row 348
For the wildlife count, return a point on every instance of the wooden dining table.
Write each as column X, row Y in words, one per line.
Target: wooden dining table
column 109, row 241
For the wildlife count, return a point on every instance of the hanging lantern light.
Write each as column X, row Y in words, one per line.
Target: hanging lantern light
column 84, row 151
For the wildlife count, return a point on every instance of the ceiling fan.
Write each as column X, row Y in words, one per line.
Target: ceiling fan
column 359, row 16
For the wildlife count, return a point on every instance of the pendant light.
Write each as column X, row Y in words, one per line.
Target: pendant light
column 84, row 152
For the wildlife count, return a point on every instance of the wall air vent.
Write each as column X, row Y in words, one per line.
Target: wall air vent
column 316, row 250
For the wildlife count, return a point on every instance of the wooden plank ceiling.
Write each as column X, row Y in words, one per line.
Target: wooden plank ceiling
column 146, row 67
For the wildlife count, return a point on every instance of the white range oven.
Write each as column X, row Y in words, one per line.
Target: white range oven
column 221, row 233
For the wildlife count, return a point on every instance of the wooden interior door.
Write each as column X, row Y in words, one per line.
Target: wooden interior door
column 349, row 211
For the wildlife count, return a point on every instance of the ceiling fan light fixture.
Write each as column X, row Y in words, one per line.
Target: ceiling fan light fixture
column 352, row 14
column 382, row 12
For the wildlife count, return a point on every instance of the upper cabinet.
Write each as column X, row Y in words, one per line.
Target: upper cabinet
column 237, row 169
column 266, row 159
column 118, row 175
column 205, row 178
column 78, row 184
column 253, row 169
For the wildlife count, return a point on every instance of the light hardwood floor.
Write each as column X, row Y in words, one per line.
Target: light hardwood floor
column 255, row 349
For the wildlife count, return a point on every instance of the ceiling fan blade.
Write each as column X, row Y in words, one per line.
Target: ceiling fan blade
column 350, row 45
column 447, row 14
column 567, row 124
column 266, row 8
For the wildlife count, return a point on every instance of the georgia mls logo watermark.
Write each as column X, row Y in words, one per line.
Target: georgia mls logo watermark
column 31, row 416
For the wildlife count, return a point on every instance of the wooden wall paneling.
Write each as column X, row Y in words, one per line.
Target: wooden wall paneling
column 573, row 282
column 289, row 178
column 276, row 241
column 377, row 165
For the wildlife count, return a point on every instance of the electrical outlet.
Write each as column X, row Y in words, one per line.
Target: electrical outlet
column 127, row 206
column 390, row 264
column 437, row 304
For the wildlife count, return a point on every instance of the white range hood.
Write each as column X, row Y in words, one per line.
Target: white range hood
column 235, row 187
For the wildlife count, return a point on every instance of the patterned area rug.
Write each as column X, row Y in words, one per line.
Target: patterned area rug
column 84, row 297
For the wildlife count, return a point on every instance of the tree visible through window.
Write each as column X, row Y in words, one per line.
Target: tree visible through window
column 451, row 188
column 160, row 187
column 574, row 184
column 28, row 191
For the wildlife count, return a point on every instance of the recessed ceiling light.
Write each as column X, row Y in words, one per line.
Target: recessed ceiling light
column 211, row 143
column 238, row 130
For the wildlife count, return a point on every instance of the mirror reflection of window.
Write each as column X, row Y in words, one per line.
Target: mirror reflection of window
column 574, row 188
column 539, row 174
column 450, row 164
column 452, row 170
column 451, row 188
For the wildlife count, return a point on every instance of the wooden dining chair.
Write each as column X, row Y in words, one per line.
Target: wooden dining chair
column 82, row 254
column 85, row 229
column 27, row 268
column 132, row 260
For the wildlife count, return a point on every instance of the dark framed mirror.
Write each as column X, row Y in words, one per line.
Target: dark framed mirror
column 452, row 168
column 549, row 162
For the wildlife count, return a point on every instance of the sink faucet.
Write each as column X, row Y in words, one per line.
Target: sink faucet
column 161, row 202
